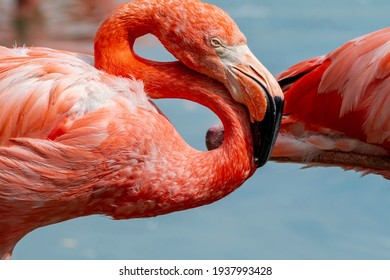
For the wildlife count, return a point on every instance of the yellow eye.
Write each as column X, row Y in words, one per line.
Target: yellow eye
column 216, row 42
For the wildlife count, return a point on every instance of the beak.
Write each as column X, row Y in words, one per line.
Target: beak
column 264, row 133
column 251, row 84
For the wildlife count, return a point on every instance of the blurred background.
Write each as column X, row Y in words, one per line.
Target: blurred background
column 67, row 25
column 283, row 211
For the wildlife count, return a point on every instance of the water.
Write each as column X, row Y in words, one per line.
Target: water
column 283, row 211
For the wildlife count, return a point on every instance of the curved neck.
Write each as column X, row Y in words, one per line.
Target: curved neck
column 114, row 54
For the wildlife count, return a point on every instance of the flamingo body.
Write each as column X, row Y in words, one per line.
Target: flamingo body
column 77, row 140
column 344, row 96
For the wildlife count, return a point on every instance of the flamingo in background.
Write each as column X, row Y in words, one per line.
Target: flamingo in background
column 78, row 140
column 38, row 22
column 337, row 108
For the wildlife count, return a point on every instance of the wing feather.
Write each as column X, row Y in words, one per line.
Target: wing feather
column 43, row 92
column 347, row 90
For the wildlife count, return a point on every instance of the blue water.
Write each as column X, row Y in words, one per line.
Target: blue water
column 283, row 211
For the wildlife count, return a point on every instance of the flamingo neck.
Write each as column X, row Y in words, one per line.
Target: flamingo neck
column 173, row 176
column 227, row 167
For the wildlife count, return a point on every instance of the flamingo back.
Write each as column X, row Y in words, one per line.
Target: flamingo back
column 44, row 91
column 346, row 92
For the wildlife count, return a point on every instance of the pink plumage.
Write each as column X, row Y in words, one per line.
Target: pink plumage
column 346, row 91
column 78, row 140
column 337, row 108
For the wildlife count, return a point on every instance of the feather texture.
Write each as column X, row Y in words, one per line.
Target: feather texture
column 346, row 91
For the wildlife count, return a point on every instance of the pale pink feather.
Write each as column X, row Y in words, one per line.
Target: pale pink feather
column 43, row 91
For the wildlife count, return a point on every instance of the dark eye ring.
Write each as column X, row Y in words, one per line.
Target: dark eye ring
column 216, row 42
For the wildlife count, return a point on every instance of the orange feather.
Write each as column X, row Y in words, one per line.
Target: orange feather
column 346, row 91
column 77, row 140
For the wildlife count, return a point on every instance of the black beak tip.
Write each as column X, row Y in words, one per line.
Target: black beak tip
column 266, row 131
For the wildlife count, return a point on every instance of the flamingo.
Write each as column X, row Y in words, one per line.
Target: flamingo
column 337, row 108
column 78, row 139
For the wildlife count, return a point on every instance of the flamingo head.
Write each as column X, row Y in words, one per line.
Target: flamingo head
column 207, row 40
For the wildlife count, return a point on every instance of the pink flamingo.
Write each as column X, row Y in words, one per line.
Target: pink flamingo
column 337, row 108
column 78, row 140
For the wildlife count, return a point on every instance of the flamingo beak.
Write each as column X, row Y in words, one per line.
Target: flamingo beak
column 251, row 84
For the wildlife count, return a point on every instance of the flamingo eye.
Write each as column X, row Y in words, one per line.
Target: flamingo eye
column 216, row 42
